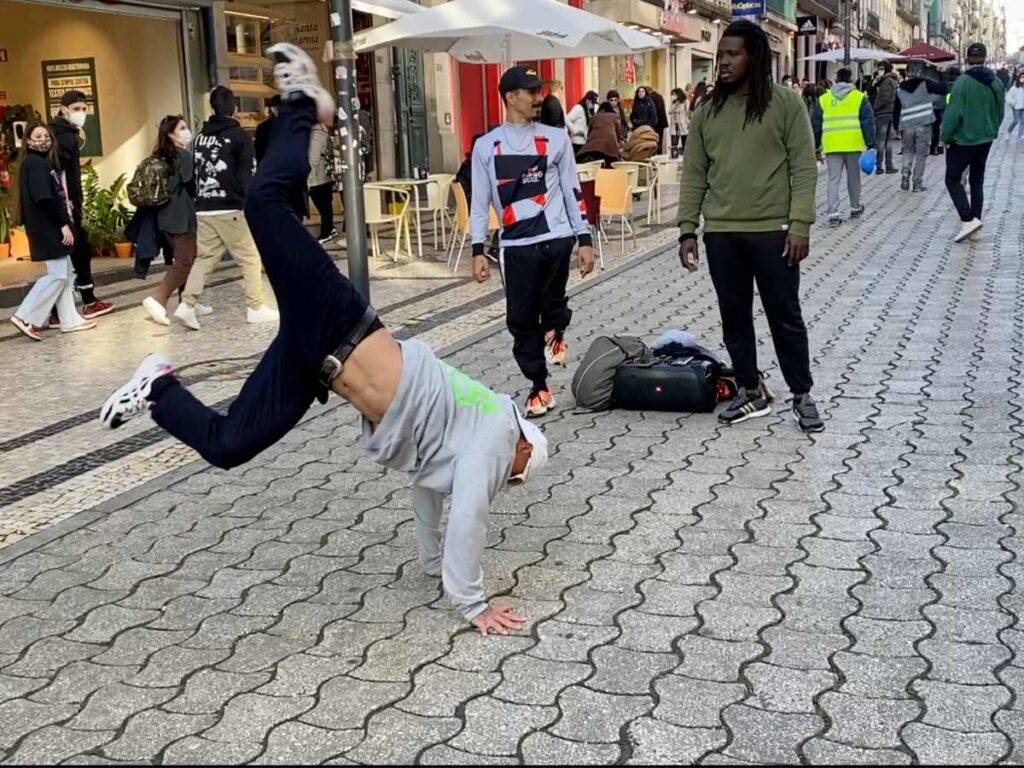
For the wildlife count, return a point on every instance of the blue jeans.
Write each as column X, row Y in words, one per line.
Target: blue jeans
column 1018, row 122
column 320, row 309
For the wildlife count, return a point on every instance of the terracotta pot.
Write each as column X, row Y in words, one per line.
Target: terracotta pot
column 124, row 250
column 19, row 243
column 5, row 251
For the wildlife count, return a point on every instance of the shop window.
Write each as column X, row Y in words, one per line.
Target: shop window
column 246, row 73
column 246, row 34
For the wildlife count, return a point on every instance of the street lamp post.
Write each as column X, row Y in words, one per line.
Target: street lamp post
column 348, row 126
column 847, row 8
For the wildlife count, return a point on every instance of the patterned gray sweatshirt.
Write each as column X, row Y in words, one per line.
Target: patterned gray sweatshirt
column 528, row 173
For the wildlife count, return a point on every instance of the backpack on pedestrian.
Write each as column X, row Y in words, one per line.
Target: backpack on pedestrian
column 150, row 186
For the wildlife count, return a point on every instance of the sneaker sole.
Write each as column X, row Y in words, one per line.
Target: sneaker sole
column 86, row 326
column 766, row 411
column 961, row 238
column 101, row 313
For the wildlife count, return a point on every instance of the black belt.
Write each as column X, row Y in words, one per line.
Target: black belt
column 334, row 363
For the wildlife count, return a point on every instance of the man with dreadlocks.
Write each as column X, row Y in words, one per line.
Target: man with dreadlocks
column 749, row 168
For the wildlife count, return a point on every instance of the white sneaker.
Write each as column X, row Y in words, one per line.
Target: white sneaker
column 967, row 229
column 132, row 399
column 85, row 325
column 262, row 315
column 157, row 311
column 295, row 73
column 202, row 310
column 187, row 316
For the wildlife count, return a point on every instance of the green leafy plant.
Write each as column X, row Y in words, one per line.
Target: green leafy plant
column 104, row 213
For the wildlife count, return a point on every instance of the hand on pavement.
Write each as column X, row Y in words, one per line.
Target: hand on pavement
column 500, row 619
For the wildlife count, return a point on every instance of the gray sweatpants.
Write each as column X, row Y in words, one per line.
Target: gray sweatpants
column 916, row 143
column 836, row 162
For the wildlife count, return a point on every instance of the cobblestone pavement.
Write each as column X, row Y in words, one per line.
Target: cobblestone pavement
column 696, row 593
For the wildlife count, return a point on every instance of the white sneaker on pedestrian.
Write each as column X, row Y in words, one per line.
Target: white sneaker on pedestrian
column 187, row 316
column 262, row 315
column 85, row 325
column 202, row 310
column 156, row 311
column 967, row 229
column 295, row 73
column 834, row 220
column 132, row 399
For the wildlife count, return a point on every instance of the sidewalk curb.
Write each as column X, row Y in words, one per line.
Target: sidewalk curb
column 35, row 541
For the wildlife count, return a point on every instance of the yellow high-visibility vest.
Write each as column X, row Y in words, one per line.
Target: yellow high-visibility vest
column 841, row 124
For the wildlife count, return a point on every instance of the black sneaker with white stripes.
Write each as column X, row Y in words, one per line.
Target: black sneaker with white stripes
column 748, row 404
column 805, row 410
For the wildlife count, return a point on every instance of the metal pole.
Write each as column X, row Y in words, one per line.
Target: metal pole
column 351, row 162
column 846, row 32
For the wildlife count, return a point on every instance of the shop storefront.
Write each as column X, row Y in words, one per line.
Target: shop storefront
column 136, row 62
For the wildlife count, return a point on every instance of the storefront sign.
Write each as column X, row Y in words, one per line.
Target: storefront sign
column 748, row 7
column 63, row 75
column 806, row 25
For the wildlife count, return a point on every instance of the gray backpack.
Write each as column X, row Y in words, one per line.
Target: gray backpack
column 594, row 380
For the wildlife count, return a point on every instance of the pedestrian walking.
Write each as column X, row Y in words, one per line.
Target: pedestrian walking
column 224, row 156
column 527, row 171
column 680, row 118
column 261, row 139
column 321, row 180
column 1015, row 101
column 663, row 121
column 938, row 108
column 552, row 112
column 884, row 106
column 616, row 101
column 43, row 208
column 970, row 125
column 914, row 117
column 749, row 171
column 844, row 126
column 644, row 111
column 578, row 119
column 67, row 130
column 177, row 219
column 419, row 415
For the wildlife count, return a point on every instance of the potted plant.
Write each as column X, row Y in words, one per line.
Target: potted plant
column 104, row 213
column 5, row 232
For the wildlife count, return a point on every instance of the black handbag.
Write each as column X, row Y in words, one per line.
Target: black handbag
column 684, row 384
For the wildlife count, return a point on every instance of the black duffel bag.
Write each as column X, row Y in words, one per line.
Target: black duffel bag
column 685, row 384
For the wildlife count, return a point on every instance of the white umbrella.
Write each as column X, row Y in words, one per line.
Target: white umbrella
column 856, row 54
column 508, row 30
column 389, row 9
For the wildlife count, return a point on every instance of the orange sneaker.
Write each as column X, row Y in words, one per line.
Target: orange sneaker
column 555, row 349
column 539, row 403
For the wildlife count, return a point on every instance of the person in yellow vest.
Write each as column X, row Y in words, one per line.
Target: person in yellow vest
column 844, row 126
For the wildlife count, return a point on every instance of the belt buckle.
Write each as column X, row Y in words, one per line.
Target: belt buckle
column 330, row 368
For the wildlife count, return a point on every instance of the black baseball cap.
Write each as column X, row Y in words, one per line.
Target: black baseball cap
column 977, row 51
column 523, row 77
column 72, row 97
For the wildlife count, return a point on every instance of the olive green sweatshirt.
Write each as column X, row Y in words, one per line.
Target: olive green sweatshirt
column 755, row 178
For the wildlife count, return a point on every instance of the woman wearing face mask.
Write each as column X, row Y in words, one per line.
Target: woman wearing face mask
column 644, row 110
column 42, row 207
column 177, row 218
column 1015, row 101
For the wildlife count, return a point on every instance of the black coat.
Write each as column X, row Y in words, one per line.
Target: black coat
column 43, row 208
column 552, row 112
column 178, row 216
column 70, row 155
column 644, row 113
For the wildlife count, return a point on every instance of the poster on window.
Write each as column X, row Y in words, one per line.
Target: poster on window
column 748, row 8
column 63, row 75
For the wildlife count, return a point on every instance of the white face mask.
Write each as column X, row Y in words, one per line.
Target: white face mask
column 185, row 137
column 77, row 119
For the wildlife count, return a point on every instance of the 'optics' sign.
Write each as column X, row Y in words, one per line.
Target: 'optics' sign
column 748, row 7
